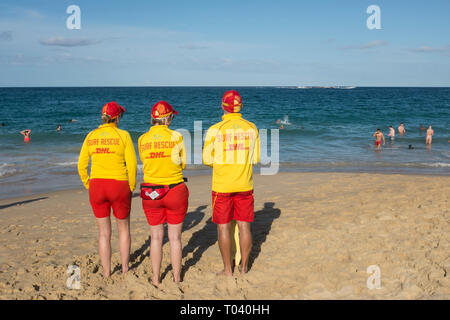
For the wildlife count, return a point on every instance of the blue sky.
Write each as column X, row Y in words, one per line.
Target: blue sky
column 224, row 43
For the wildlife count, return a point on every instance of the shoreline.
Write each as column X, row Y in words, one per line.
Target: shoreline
column 208, row 172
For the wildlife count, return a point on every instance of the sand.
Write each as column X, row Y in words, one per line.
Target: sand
column 315, row 235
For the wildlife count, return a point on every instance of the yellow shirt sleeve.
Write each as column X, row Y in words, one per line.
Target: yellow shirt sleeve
column 130, row 161
column 183, row 156
column 83, row 163
column 208, row 148
column 256, row 152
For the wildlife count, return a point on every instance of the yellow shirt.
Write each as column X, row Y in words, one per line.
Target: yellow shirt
column 112, row 156
column 231, row 148
column 163, row 155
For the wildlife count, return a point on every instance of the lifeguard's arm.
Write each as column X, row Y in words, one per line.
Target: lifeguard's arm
column 384, row 140
column 83, row 162
column 139, row 148
column 130, row 161
column 208, row 148
column 182, row 152
column 256, row 153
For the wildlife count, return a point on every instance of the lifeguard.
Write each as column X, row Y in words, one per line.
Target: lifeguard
column 111, row 181
column 164, row 193
column 231, row 148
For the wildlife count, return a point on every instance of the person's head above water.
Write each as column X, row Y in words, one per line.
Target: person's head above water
column 112, row 112
column 162, row 113
column 232, row 101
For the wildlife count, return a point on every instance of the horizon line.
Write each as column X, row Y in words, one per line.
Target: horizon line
column 219, row 86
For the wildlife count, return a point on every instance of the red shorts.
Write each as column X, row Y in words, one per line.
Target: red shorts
column 378, row 143
column 233, row 206
column 107, row 193
column 171, row 208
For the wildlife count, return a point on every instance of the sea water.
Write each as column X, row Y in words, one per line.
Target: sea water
column 328, row 129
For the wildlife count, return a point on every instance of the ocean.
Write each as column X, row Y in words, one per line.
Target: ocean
column 328, row 130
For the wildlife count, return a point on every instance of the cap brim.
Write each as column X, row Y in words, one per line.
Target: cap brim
column 122, row 109
column 175, row 111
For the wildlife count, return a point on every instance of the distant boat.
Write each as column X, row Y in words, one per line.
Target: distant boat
column 344, row 87
column 329, row 87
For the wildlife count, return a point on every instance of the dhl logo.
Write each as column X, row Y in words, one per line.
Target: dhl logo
column 156, row 155
column 102, row 150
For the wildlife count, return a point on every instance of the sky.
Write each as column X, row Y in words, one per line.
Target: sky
column 224, row 43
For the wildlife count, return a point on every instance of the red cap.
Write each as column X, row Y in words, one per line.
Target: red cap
column 232, row 101
column 113, row 109
column 162, row 109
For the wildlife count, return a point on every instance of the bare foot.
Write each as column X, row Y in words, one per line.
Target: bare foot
column 224, row 273
column 243, row 270
column 155, row 282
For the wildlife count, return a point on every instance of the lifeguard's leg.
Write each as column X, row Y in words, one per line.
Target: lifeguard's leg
column 174, row 231
column 225, row 248
column 123, row 226
column 156, row 234
column 245, row 240
column 104, row 244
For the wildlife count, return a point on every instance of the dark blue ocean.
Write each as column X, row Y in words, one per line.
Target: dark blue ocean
column 329, row 130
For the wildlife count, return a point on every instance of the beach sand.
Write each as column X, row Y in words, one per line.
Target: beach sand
column 314, row 235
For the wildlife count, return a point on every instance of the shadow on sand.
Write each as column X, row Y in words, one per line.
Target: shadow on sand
column 21, row 202
column 200, row 241
column 261, row 228
column 207, row 236
column 204, row 238
column 192, row 219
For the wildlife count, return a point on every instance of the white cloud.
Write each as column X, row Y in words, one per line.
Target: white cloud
column 371, row 45
column 193, row 46
column 68, row 42
column 33, row 13
column 61, row 58
column 445, row 49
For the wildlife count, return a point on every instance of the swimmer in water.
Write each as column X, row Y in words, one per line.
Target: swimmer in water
column 58, row 128
column 429, row 138
column 401, row 129
column 285, row 120
column 410, row 147
column 422, row 128
column 73, row 120
column 391, row 133
column 26, row 135
column 378, row 136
